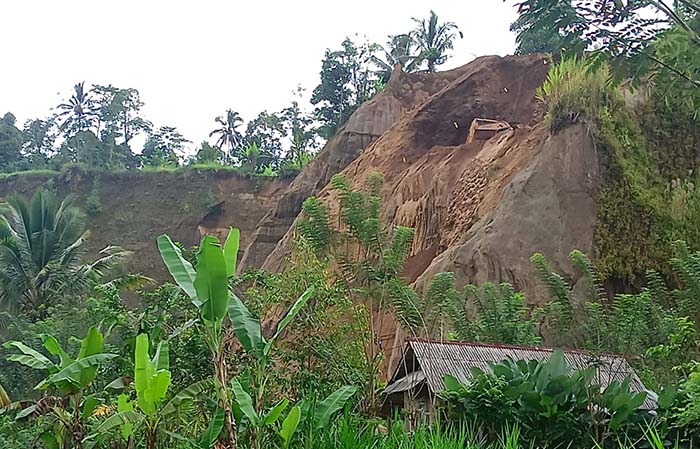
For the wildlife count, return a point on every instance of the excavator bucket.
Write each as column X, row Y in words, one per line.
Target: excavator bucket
column 484, row 128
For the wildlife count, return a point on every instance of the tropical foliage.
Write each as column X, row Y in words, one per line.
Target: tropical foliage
column 41, row 253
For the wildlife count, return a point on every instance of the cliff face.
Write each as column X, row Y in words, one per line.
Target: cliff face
column 447, row 189
column 136, row 207
column 402, row 93
column 479, row 209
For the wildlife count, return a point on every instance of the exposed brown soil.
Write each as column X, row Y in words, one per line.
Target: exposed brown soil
column 139, row 206
column 479, row 209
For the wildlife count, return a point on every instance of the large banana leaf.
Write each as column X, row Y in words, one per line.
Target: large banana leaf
column 247, row 327
column 274, row 414
column 180, row 269
column 289, row 426
column 90, row 345
column 65, row 379
column 291, row 314
column 29, row 356
column 334, row 402
column 211, row 282
column 124, row 404
column 245, row 402
column 54, row 347
column 151, row 384
column 190, row 393
column 162, row 357
column 214, row 428
column 231, row 250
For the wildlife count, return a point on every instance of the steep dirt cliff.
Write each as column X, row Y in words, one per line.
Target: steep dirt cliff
column 402, row 93
column 480, row 209
column 136, row 207
column 434, row 181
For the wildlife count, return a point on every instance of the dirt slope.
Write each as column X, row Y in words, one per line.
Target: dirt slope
column 402, row 93
column 482, row 209
column 139, row 206
column 434, row 181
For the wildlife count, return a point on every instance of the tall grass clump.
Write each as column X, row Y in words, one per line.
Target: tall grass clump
column 577, row 90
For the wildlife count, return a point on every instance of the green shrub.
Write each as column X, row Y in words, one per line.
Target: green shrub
column 16, row 435
column 576, row 90
column 94, row 203
column 553, row 404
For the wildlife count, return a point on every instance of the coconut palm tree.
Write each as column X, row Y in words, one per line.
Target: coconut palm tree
column 434, row 39
column 228, row 133
column 41, row 247
column 401, row 50
column 78, row 113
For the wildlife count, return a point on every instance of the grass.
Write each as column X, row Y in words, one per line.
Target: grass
column 577, row 90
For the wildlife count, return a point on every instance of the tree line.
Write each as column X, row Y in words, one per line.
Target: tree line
column 97, row 124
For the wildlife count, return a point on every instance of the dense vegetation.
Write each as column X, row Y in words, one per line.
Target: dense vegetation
column 294, row 359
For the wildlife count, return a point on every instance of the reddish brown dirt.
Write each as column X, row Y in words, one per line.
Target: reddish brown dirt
column 481, row 209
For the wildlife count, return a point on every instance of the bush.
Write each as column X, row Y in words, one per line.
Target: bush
column 94, row 203
column 552, row 404
column 577, row 90
column 14, row 435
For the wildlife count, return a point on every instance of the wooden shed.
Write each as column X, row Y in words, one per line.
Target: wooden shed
column 419, row 375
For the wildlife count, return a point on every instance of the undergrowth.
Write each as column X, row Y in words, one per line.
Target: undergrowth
column 647, row 199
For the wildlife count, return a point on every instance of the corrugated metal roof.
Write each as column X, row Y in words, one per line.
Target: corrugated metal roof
column 405, row 383
column 437, row 358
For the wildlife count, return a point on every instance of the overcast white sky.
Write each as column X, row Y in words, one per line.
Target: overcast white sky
column 191, row 60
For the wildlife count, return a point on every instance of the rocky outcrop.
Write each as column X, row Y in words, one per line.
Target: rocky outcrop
column 549, row 206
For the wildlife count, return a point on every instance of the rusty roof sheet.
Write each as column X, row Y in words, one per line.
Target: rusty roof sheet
column 437, row 358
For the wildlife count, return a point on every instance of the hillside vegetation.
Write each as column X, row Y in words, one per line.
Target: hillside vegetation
column 145, row 304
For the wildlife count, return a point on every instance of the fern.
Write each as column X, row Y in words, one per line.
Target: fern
column 657, row 287
column 405, row 305
column 440, row 295
column 558, row 288
column 582, row 263
column 314, row 225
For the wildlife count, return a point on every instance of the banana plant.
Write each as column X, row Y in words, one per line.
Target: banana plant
column 248, row 329
column 70, row 377
column 316, row 416
column 151, row 382
column 258, row 422
column 208, row 289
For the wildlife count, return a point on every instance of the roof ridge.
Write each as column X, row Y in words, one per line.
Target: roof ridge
column 512, row 346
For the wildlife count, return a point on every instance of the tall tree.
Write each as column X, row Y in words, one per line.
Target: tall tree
column 41, row 247
column 76, row 114
column 164, row 147
column 434, row 40
column 267, row 131
column 347, row 80
column 118, row 113
column 402, row 50
column 228, row 134
column 10, row 142
column 39, row 137
column 300, row 129
column 207, row 154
